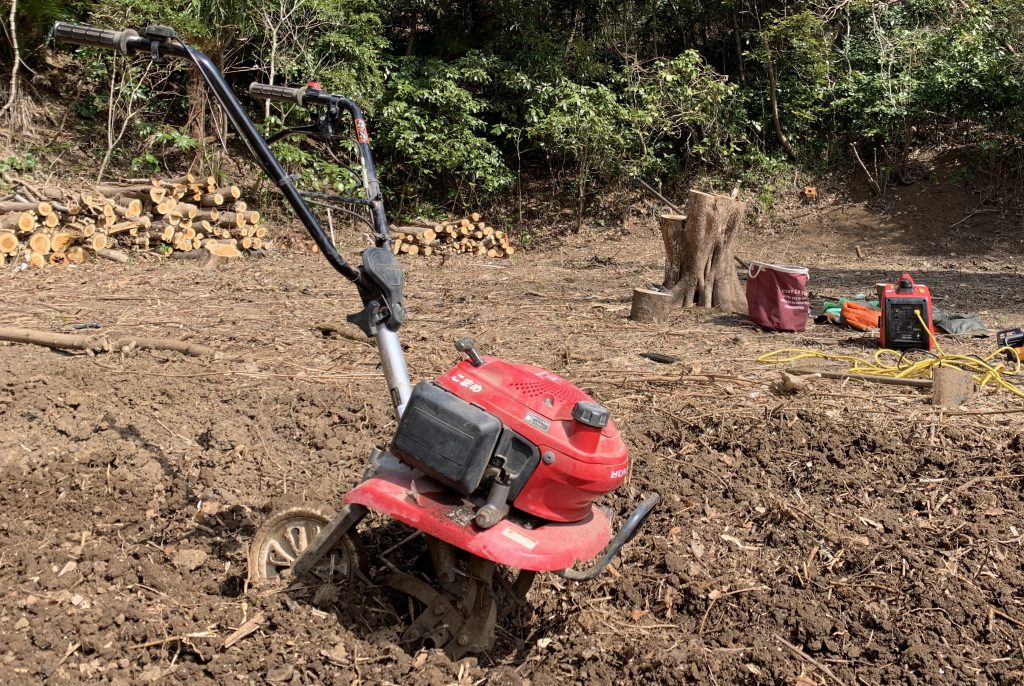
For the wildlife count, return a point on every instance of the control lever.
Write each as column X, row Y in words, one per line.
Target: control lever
column 468, row 346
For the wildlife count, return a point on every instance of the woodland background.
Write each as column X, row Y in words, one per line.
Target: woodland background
column 492, row 101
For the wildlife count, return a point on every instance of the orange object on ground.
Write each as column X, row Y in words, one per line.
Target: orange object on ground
column 859, row 316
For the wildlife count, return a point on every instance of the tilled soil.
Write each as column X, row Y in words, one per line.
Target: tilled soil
column 845, row 534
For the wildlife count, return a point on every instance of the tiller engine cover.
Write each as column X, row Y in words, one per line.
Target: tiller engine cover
column 904, row 307
column 512, row 435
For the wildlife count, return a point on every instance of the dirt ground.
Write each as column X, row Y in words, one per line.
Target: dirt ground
column 847, row 534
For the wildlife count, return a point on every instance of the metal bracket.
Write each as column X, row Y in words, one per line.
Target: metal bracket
column 328, row 538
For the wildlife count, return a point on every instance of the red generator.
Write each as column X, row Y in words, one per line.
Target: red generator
column 906, row 321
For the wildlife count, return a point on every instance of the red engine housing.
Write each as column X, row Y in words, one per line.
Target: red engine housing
column 579, row 462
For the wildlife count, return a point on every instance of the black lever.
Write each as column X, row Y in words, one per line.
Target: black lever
column 468, row 346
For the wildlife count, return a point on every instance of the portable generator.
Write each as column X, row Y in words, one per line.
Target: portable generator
column 906, row 321
column 1014, row 340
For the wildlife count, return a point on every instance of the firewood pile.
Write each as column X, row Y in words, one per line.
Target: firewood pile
column 167, row 215
column 469, row 235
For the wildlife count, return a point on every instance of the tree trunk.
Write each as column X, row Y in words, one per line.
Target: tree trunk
column 671, row 226
column 773, row 99
column 12, row 95
column 704, row 252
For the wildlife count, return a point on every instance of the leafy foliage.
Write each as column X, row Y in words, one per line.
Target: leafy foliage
column 588, row 93
column 431, row 128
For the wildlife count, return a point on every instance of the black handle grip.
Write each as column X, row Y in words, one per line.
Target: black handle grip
column 263, row 91
column 92, row 36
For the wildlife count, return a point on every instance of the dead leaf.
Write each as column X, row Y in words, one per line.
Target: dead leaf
column 804, row 680
column 279, row 675
column 69, row 567
column 637, row 614
column 337, row 654
column 737, row 542
column 872, row 523
column 419, row 660
column 792, row 383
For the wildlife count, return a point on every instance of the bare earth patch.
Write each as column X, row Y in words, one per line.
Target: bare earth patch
column 847, row 533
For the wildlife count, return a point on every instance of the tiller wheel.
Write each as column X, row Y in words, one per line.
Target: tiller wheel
column 283, row 538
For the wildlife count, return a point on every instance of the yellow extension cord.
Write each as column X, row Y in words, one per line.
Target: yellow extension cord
column 983, row 369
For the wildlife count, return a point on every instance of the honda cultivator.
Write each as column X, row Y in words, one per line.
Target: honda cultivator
column 497, row 464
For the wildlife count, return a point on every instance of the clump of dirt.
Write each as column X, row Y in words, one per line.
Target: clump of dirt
column 848, row 534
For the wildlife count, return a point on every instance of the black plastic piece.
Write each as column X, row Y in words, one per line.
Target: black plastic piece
column 520, row 459
column 903, row 330
column 1010, row 337
column 159, row 32
column 265, row 91
column 381, row 290
column 661, row 358
column 591, row 414
column 93, row 37
column 446, row 437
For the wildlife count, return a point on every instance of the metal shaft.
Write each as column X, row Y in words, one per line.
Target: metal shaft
column 395, row 371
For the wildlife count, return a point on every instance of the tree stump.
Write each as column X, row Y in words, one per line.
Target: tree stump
column 703, row 248
column 650, row 306
column 951, row 387
column 671, row 226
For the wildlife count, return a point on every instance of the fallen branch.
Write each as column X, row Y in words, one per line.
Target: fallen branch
column 113, row 255
column 241, row 632
column 170, row 639
column 810, row 659
column 100, row 344
column 874, row 184
column 650, row 189
column 916, row 383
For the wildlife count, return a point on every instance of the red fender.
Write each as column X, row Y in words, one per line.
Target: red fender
column 439, row 512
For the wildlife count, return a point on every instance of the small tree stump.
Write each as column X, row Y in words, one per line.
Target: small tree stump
column 650, row 306
column 951, row 387
column 702, row 250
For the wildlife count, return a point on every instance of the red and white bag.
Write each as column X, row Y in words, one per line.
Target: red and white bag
column 777, row 297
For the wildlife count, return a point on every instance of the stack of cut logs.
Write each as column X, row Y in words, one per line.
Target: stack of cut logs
column 167, row 215
column 467, row 235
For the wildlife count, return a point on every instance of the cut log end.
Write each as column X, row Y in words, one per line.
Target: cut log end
column 9, row 243
column 650, row 306
column 951, row 387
